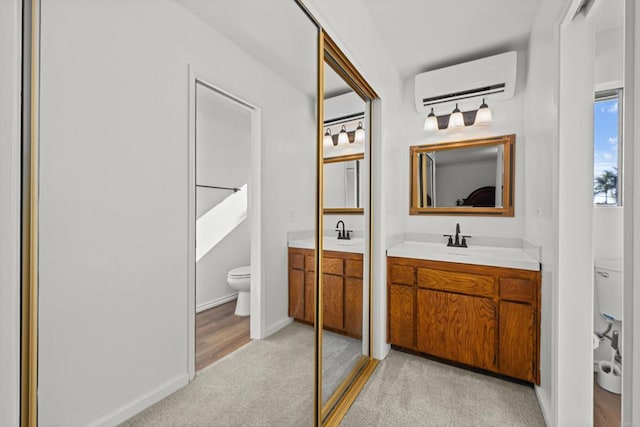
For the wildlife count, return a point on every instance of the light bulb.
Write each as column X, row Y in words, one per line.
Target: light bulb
column 359, row 138
column 327, row 140
column 431, row 123
column 483, row 115
column 343, row 138
column 456, row 120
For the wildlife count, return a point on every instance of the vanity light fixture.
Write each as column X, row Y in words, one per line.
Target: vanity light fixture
column 328, row 139
column 359, row 136
column 343, row 138
column 456, row 120
column 431, row 123
column 483, row 115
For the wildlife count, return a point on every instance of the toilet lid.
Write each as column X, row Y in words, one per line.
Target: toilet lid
column 240, row 272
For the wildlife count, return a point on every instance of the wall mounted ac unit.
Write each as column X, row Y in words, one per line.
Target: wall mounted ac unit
column 492, row 78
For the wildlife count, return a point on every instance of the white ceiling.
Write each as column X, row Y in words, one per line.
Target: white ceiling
column 423, row 35
column 420, row 35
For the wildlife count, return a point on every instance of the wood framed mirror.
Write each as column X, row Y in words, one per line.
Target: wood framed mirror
column 343, row 184
column 473, row 177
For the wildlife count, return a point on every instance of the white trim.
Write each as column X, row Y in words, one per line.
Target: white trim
column 10, row 182
column 272, row 329
column 543, row 402
column 216, row 302
column 258, row 311
column 138, row 405
column 612, row 85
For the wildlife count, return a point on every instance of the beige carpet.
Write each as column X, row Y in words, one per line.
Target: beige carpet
column 269, row 383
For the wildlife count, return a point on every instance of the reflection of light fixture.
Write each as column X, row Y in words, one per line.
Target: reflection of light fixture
column 328, row 139
column 456, row 120
column 431, row 123
column 359, row 133
column 483, row 115
column 343, row 138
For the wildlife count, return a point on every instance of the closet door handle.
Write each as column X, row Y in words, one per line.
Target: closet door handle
column 603, row 274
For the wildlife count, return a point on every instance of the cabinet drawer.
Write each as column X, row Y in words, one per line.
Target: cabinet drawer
column 310, row 263
column 465, row 283
column 296, row 261
column 354, row 268
column 332, row 266
column 329, row 265
column 516, row 289
column 401, row 275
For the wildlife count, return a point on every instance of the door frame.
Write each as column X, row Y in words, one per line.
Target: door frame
column 258, row 312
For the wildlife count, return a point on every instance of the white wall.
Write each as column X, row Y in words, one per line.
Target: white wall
column 540, row 175
column 10, row 74
column 223, row 139
column 457, row 180
column 609, row 55
column 114, row 174
column 366, row 49
column 508, row 118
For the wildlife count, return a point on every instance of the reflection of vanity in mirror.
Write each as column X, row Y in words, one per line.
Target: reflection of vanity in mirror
column 472, row 177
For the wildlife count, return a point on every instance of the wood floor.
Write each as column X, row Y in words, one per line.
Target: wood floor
column 606, row 407
column 218, row 333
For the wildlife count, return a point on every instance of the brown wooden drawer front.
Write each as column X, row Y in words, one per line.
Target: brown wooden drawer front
column 516, row 289
column 332, row 266
column 457, row 327
column 354, row 268
column 296, row 261
column 402, row 316
column 309, row 297
column 472, row 284
column 309, row 263
column 401, row 275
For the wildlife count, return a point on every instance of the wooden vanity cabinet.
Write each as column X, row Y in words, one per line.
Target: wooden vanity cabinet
column 484, row 317
column 342, row 293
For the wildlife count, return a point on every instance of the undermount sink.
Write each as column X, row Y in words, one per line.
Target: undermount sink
column 480, row 255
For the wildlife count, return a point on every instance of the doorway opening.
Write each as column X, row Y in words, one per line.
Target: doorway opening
column 224, row 245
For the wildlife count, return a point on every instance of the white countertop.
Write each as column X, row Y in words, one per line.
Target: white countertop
column 354, row 245
column 479, row 255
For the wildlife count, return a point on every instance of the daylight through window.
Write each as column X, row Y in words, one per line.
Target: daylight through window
column 607, row 148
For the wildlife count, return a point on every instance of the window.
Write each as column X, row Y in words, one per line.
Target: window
column 607, row 140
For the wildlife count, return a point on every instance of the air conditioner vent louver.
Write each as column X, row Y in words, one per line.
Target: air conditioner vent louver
column 492, row 78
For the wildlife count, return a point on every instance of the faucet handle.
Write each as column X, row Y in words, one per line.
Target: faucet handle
column 450, row 236
column 339, row 233
column 348, row 234
column 464, row 241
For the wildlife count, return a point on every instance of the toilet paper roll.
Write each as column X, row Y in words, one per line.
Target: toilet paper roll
column 596, row 341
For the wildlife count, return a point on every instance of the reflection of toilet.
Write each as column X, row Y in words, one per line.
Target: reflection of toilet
column 608, row 285
column 240, row 279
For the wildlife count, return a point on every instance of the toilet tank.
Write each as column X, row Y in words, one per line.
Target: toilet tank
column 608, row 283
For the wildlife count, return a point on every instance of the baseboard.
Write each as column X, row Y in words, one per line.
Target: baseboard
column 216, row 302
column 270, row 330
column 544, row 405
column 138, row 405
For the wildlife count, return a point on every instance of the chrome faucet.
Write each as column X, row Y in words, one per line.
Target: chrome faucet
column 343, row 234
column 457, row 243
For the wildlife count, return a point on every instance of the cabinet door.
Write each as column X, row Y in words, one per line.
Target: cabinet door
column 309, row 296
column 296, row 293
column 333, row 301
column 516, row 340
column 457, row 327
column 353, row 306
column 402, row 316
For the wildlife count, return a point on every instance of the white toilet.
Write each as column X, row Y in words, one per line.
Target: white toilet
column 240, row 279
column 608, row 285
